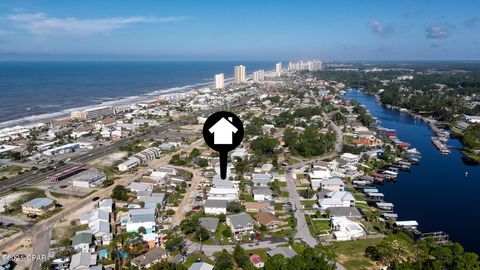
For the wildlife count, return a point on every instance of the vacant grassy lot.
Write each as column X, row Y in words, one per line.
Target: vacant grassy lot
column 351, row 254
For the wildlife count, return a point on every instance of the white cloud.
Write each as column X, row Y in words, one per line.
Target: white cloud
column 439, row 30
column 381, row 29
column 40, row 24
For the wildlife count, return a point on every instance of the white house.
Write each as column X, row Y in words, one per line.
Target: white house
column 350, row 159
column 345, row 229
column 333, row 184
column 337, row 199
column 317, row 175
column 242, row 222
column 128, row 164
column 215, row 207
column 261, row 194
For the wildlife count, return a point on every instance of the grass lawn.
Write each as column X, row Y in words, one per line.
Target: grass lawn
column 298, row 247
column 308, row 202
column 282, row 184
column 285, row 232
column 318, row 226
column 217, row 238
column 278, row 206
column 351, row 254
column 248, row 197
column 284, row 193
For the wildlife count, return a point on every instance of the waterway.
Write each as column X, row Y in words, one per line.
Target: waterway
column 437, row 193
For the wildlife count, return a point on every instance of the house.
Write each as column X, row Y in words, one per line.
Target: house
column 350, row 159
column 97, row 214
column 262, row 194
column 144, row 217
column 150, row 258
column 209, row 224
column 136, row 187
column 83, row 242
column 240, row 222
column 101, row 230
column 332, row 184
column 261, row 179
column 106, row 205
column 350, row 212
column 317, row 175
column 346, row 229
column 201, row 266
column 287, row 252
column 336, row 199
column 222, row 131
column 83, row 261
column 162, row 172
column 268, row 220
column 239, row 153
column 156, row 199
column 38, row 206
column 128, row 164
column 257, row 261
column 215, row 207
column 255, row 207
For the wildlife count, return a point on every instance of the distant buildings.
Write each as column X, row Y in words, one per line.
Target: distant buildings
column 142, row 157
column 93, row 113
column 219, row 81
column 312, row 65
column 258, row 75
column 239, row 72
column 278, row 69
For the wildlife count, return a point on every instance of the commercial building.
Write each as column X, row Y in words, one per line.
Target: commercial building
column 219, row 81
column 239, row 73
column 90, row 178
column 94, row 113
column 38, row 206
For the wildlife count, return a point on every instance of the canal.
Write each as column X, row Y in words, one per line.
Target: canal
column 437, row 193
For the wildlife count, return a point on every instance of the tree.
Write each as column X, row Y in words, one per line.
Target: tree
column 276, row 262
column 142, row 230
column 223, row 261
column 120, row 193
column 170, row 212
column 190, row 224
column 227, row 232
column 201, row 234
column 234, row 207
column 174, row 242
column 222, row 217
column 241, row 259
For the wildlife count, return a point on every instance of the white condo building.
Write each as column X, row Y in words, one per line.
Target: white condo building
column 258, row 75
column 239, row 74
column 278, row 69
column 219, row 81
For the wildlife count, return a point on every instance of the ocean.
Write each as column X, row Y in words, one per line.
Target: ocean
column 31, row 91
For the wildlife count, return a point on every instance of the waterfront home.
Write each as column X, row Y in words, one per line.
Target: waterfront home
column 461, row 126
column 242, row 222
column 262, row 194
column 408, row 224
column 215, row 207
column 144, row 217
column 332, row 184
column 150, row 258
column 256, row 261
column 336, row 199
column 38, row 206
column 345, row 229
column 384, row 206
column 286, row 252
column 209, row 224
column 83, row 242
column 267, row 219
column 83, row 261
column 374, row 197
column 201, row 266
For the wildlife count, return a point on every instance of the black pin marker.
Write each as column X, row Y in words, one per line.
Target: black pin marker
column 223, row 132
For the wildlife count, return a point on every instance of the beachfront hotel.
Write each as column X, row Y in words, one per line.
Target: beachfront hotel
column 278, row 69
column 219, row 81
column 239, row 74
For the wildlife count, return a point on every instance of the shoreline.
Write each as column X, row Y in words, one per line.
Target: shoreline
column 168, row 93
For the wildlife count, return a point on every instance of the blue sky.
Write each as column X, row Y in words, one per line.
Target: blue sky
column 240, row 30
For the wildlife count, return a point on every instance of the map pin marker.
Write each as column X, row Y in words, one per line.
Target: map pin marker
column 223, row 132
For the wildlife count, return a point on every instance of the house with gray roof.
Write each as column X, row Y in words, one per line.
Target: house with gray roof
column 143, row 217
column 83, row 261
column 215, row 207
column 153, row 200
column 287, row 252
column 241, row 222
column 350, row 212
column 210, row 224
column 261, row 194
column 150, row 258
column 201, row 266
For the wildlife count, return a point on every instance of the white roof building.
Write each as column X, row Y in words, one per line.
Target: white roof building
column 346, row 229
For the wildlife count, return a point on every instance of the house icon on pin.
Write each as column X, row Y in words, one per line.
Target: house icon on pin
column 223, row 131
